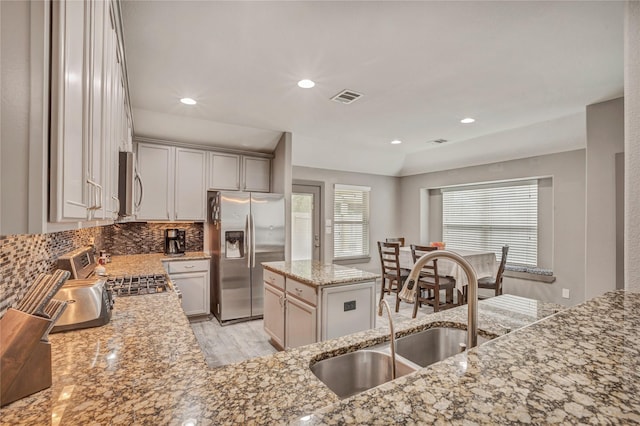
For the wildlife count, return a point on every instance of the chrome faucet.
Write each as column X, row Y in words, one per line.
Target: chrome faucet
column 393, row 336
column 472, row 303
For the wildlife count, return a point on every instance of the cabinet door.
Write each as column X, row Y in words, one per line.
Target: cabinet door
column 154, row 165
column 190, row 192
column 257, row 174
column 69, row 115
column 194, row 287
column 224, row 171
column 300, row 323
column 274, row 314
column 99, row 161
column 111, row 145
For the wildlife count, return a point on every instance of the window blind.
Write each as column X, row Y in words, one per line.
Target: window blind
column 486, row 218
column 350, row 221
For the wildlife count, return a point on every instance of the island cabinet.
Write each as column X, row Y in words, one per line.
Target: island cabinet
column 307, row 302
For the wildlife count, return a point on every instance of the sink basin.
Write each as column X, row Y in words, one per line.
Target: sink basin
column 358, row 371
column 433, row 345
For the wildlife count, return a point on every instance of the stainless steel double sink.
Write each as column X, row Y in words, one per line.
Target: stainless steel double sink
column 355, row 372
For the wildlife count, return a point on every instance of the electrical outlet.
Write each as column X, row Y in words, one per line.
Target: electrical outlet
column 565, row 293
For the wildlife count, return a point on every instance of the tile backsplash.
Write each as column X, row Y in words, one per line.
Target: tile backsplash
column 139, row 237
column 23, row 257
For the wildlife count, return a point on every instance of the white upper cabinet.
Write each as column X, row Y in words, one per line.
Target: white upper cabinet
column 90, row 119
column 190, row 188
column 69, row 102
column 257, row 174
column 173, row 182
column 97, row 168
column 239, row 172
column 155, row 166
column 224, row 171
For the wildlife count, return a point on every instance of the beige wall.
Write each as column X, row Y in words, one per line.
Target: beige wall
column 563, row 230
column 281, row 180
column 24, row 117
column 384, row 207
column 14, row 116
column 605, row 138
column 632, row 145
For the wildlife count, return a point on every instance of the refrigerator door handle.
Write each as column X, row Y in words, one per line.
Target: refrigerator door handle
column 247, row 240
column 253, row 242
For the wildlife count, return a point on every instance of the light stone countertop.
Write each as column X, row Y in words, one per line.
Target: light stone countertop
column 146, row 264
column 319, row 274
column 579, row 365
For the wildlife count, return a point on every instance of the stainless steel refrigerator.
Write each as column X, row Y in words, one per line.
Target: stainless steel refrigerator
column 244, row 229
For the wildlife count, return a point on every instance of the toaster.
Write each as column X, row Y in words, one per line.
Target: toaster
column 89, row 304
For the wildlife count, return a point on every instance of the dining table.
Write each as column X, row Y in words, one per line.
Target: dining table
column 483, row 262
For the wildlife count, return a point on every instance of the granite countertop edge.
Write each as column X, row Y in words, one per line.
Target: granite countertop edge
column 548, row 378
column 318, row 274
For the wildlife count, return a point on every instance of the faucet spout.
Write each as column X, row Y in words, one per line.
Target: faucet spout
column 393, row 336
column 472, row 302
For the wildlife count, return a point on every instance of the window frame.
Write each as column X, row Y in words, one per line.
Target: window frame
column 365, row 255
column 533, row 214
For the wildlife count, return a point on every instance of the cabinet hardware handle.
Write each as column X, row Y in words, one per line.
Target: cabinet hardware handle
column 117, row 211
column 75, row 203
column 188, row 266
column 138, row 178
column 97, row 198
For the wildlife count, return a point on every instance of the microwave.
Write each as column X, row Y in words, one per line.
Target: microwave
column 128, row 178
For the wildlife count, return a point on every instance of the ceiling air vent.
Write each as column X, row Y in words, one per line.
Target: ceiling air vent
column 347, row 97
column 439, row 141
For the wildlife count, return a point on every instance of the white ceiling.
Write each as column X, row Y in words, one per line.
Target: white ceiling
column 524, row 70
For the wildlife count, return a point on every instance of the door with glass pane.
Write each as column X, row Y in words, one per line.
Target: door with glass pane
column 305, row 222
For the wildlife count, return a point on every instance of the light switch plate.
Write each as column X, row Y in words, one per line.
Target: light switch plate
column 327, row 222
column 565, row 293
column 327, row 230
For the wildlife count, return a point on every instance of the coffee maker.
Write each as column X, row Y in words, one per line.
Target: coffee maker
column 174, row 242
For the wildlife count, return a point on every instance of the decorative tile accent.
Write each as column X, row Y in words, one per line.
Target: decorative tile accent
column 23, row 257
column 144, row 238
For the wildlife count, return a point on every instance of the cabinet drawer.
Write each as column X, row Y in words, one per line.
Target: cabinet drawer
column 301, row 291
column 177, row 266
column 274, row 279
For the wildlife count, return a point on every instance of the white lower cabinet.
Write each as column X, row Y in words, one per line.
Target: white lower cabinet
column 274, row 314
column 300, row 323
column 191, row 277
column 297, row 314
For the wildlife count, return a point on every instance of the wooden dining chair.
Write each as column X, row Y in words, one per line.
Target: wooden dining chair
column 495, row 283
column 430, row 283
column 393, row 276
column 399, row 240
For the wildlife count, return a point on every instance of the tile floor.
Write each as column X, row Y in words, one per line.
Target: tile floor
column 238, row 342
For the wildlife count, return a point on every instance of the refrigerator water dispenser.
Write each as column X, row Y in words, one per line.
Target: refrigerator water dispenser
column 234, row 244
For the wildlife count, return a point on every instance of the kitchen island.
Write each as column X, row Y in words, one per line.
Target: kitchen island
column 306, row 301
column 145, row 367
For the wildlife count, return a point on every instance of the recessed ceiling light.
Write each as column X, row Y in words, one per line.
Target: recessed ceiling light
column 396, row 142
column 188, row 101
column 467, row 120
column 306, row 84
